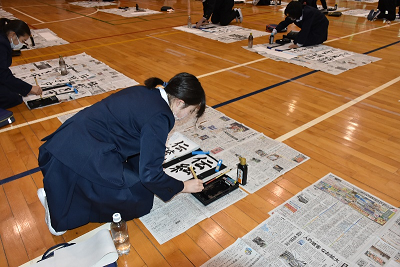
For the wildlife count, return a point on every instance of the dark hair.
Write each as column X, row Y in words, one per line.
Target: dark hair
column 18, row 26
column 294, row 9
column 183, row 86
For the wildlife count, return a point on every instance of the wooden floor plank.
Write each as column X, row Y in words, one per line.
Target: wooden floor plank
column 359, row 144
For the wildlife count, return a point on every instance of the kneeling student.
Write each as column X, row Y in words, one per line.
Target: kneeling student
column 313, row 24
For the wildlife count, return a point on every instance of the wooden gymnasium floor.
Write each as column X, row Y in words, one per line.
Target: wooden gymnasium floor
column 348, row 124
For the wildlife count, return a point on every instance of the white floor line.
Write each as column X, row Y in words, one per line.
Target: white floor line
column 353, row 34
column 26, row 14
column 233, row 67
column 336, row 110
column 12, row 127
column 54, row 21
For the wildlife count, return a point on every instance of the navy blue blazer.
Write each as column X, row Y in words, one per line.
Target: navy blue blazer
column 108, row 158
column 7, row 79
column 209, row 6
column 314, row 27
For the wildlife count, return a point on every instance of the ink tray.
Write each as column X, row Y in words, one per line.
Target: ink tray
column 42, row 102
column 216, row 189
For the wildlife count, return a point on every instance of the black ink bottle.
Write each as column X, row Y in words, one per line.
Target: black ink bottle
column 242, row 171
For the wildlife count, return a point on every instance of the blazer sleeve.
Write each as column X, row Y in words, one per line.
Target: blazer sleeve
column 283, row 24
column 6, row 77
column 208, row 8
column 153, row 137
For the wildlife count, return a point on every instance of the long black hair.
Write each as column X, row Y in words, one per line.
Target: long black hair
column 294, row 9
column 183, row 86
column 18, row 26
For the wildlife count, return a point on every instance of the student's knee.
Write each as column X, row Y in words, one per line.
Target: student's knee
column 10, row 100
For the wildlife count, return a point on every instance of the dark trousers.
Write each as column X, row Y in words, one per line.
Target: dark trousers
column 75, row 201
column 223, row 12
column 388, row 9
column 324, row 5
column 8, row 99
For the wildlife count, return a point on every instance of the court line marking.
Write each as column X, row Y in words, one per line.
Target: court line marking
column 25, row 14
column 336, row 110
column 13, row 127
column 91, row 47
column 55, row 21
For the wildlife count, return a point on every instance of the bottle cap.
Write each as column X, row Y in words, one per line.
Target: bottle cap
column 242, row 161
column 116, row 217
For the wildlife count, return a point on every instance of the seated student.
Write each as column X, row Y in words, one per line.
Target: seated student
column 313, row 3
column 220, row 12
column 313, row 24
column 386, row 10
column 13, row 34
column 108, row 157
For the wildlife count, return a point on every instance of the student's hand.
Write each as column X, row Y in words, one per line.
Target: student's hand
column 294, row 46
column 36, row 90
column 192, row 186
column 201, row 22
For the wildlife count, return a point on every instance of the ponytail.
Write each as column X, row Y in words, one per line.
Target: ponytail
column 3, row 22
column 18, row 26
column 152, row 82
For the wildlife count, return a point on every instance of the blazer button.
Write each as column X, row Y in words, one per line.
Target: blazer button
column 169, row 189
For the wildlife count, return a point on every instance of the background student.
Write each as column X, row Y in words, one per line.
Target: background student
column 313, row 24
column 220, row 11
column 108, row 157
column 386, row 10
column 13, row 34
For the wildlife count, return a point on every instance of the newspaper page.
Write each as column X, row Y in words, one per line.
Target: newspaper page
column 170, row 219
column 391, row 234
column 317, row 57
column 282, row 243
column 165, row 221
column 339, row 214
column 266, row 158
column 384, row 248
column 225, row 34
column 92, row 3
column 130, row 12
column 238, row 254
column 44, row 38
column 378, row 253
column 86, row 76
column 218, row 133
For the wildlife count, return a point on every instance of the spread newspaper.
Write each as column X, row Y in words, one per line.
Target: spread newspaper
column 330, row 223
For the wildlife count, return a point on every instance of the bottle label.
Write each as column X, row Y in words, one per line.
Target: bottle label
column 239, row 176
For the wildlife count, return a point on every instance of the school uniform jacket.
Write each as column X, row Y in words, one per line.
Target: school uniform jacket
column 95, row 174
column 313, row 24
column 7, row 80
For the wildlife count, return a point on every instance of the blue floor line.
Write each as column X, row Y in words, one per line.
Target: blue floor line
column 20, row 175
column 17, row 176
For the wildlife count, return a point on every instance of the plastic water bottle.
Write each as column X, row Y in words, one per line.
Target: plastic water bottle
column 189, row 22
column 119, row 233
column 63, row 66
column 250, row 41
